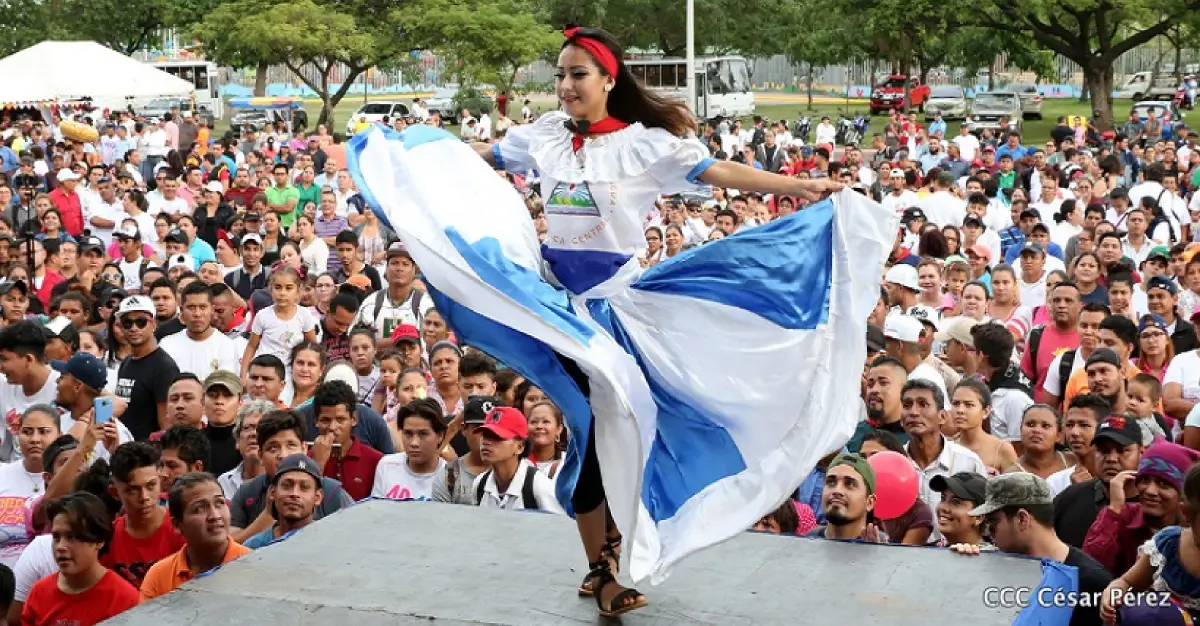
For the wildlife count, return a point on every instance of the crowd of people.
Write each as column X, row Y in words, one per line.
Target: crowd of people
column 209, row 344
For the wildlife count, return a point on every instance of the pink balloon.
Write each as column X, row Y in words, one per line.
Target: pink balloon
column 896, row 484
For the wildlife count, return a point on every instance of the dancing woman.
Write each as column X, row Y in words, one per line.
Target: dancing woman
column 627, row 140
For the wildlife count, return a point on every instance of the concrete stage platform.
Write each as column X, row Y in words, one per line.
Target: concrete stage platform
column 384, row 562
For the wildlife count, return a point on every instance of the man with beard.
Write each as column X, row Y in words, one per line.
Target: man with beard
column 847, row 501
column 1106, row 380
column 994, row 345
column 1122, row 527
column 885, row 379
column 1085, row 414
column 200, row 512
column 294, row 494
column 1119, row 334
column 902, row 287
column 1118, row 448
column 904, row 335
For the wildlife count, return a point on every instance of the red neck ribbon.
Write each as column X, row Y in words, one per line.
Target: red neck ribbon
column 604, row 57
column 579, row 130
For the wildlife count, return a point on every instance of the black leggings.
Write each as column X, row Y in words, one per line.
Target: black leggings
column 589, row 489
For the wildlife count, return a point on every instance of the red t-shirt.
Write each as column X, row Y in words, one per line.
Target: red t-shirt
column 71, row 209
column 47, row 604
column 355, row 470
column 131, row 557
column 51, row 279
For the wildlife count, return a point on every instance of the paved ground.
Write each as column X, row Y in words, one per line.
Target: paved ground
column 385, row 562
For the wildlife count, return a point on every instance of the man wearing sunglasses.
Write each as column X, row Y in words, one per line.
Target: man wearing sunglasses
column 145, row 376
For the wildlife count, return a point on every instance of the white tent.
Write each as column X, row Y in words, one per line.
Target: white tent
column 71, row 70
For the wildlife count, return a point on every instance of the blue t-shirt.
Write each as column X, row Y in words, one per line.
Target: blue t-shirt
column 266, row 538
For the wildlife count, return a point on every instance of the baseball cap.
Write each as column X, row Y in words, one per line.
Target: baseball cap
column 359, row 282
column 1160, row 252
column 860, row 464
column 405, row 333
column 65, row 175
column 988, row 148
column 226, row 379
column 904, row 275
column 926, row 314
column 980, row 251
column 972, row 220
column 913, row 213
column 476, row 409
column 1162, row 282
column 1120, row 430
column 8, row 285
column 177, row 260
column 1015, row 489
column 85, row 367
column 1152, row 319
column 135, row 304
column 175, row 235
column 398, row 249
column 958, row 329
column 902, row 328
column 127, row 232
column 251, row 216
column 956, row 258
column 964, row 485
column 506, row 422
column 343, row 372
column 876, row 342
column 896, row 173
column 1103, row 355
column 214, row 186
column 251, row 238
column 91, row 243
column 1034, row 247
column 1040, row 226
column 297, row 463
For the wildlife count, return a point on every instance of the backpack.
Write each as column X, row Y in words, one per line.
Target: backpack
column 1035, row 340
column 416, row 305
column 528, row 501
column 1160, row 217
column 1065, row 365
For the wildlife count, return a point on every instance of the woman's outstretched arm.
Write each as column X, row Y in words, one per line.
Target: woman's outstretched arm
column 485, row 151
column 745, row 178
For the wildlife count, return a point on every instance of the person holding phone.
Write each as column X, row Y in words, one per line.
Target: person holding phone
column 79, row 390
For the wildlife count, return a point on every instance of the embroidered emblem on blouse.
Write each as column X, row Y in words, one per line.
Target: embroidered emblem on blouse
column 572, row 199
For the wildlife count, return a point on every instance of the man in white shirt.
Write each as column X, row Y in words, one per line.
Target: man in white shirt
column 826, row 132
column 102, row 212
column 943, row 207
column 485, row 126
column 168, row 200
column 968, row 144
column 899, row 198
column 503, row 436
column 1048, row 201
column 930, row 451
column 154, row 141
column 1032, row 280
column 199, row 349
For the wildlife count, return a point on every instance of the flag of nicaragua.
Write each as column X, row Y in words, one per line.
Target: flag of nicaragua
column 714, row 382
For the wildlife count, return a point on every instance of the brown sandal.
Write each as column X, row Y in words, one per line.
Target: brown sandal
column 611, row 550
column 624, row 602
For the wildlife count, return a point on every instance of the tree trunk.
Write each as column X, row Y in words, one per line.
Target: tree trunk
column 1098, row 81
column 326, row 116
column 1178, row 57
column 992, row 75
column 260, row 79
column 907, row 85
column 808, row 80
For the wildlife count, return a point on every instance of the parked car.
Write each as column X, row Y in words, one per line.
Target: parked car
column 889, row 95
column 375, row 112
column 1165, row 110
column 949, row 100
column 1031, row 100
column 158, row 107
column 443, row 102
column 988, row 109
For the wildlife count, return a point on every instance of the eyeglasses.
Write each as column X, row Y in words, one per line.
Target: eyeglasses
column 1154, row 334
column 110, row 277
column 130, row 322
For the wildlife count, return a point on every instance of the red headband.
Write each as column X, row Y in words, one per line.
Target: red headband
column 604, row 57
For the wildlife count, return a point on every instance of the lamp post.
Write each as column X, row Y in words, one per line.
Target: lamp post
column 691, row 56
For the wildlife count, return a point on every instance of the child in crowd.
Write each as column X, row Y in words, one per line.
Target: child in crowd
column 276, row 330
column 1144, row 392
column 958, row 273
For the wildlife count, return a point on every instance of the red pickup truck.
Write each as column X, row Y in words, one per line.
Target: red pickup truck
column 889, row 94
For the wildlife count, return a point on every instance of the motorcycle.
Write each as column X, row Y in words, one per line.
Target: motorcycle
column 802, row 128
column 845, row 129
column 861, row 123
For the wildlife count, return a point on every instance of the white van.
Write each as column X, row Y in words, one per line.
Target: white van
column 1136, row 85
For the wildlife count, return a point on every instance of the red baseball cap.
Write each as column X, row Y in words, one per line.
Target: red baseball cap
column 405, row 332
column 506, row 422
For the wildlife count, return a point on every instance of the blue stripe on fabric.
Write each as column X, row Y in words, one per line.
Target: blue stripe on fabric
column 1056, row 578
column 780, row 271
column 418, row 134
column 499, row 158
column 580, row 270
column 521, row 284
column 694, row 175
column 537, row 362
column 690, row 450
column 354, row 151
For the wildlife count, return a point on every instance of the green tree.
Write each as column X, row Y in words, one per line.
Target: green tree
column 1092, row 33
column 228, row 38
column 490, row 40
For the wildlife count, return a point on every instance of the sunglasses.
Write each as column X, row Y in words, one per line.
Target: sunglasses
column 130, row 322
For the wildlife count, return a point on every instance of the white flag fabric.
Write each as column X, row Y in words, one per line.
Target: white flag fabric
column 715, row 381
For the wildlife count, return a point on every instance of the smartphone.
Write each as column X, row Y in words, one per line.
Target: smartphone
column 103, row 409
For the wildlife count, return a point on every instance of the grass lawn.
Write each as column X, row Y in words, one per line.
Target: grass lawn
column 1035, row 131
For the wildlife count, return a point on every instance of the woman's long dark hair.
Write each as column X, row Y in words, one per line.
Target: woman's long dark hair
column 630, row 102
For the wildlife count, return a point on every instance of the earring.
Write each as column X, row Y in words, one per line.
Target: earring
column 608, row 87
column 557, row 438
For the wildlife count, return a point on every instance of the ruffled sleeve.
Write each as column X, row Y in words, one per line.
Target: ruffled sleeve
column 515, row 153
column 678, row 163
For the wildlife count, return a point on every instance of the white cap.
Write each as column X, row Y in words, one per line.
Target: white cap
column 58, row 324
column 214, row 186
column 344, row 373
column 177, row 260
column 897, row 172
column 923, row 313
column 904, row 275
column 902, row 328
column 255, row 237
column 127, row 232
column 135, row 304
column 65, row 175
